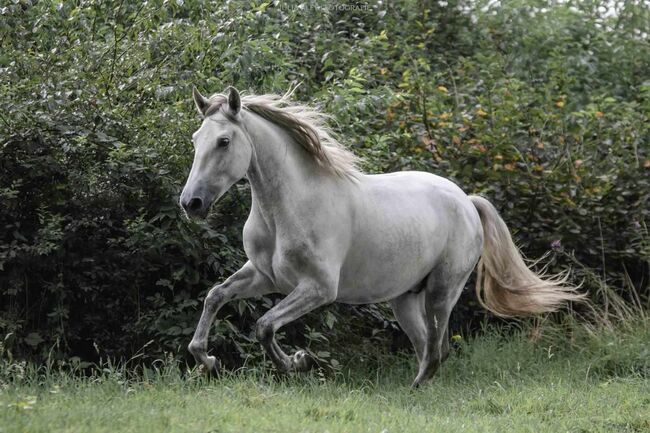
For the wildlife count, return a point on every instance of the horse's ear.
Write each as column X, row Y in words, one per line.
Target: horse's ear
column 234, row 101
column 202, row 103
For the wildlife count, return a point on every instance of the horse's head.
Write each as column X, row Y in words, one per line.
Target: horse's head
column 222, row 153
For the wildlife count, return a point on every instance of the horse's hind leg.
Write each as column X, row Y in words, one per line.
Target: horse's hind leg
column 408, row 309
column 441, row 294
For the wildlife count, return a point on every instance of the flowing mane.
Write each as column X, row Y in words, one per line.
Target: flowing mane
column 306, row 125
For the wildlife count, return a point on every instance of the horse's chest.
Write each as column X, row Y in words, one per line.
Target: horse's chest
column 280, row 261
column 259, row 246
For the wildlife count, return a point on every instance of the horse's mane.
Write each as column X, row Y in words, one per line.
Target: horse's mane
column 306, row 125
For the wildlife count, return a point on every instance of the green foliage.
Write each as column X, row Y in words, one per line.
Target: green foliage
column 543, row 107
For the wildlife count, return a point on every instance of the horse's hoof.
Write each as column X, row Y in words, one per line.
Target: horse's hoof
column 302, row 361
column 210, row 367
column 213, row 364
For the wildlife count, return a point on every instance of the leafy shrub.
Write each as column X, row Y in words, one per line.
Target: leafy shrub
column 543, row 107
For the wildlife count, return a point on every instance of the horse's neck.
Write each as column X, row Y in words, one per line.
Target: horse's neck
column 281, row 174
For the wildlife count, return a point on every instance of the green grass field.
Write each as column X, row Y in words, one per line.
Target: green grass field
column 557, row 383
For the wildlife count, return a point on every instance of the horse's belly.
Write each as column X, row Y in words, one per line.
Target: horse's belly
column 380, row 286
column 382, row 266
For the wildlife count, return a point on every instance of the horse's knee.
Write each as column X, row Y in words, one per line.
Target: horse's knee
column 215, row 296
column 264, row 330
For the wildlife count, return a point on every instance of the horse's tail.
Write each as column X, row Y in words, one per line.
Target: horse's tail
column 504, row 284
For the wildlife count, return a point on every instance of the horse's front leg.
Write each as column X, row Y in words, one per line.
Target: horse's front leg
column 307, row 296
column 247, row 282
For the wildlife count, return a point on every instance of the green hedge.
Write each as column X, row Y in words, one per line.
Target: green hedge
column 542, row 107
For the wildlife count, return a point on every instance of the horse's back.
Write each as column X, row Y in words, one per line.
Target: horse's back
column 405, row 224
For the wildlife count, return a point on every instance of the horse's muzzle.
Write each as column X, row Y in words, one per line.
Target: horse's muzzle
column 195, row 207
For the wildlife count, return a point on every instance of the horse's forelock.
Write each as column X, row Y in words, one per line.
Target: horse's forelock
column 216, row 101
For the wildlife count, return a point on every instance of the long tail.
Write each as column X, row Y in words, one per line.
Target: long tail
column 505, row 285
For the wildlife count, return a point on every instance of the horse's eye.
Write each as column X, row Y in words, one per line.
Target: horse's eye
column 223, row 142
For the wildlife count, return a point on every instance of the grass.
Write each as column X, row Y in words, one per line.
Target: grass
column 561, row 382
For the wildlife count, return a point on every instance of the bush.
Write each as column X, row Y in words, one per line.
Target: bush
column 543, row 107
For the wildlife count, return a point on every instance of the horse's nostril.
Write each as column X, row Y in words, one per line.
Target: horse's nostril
column 195, row 204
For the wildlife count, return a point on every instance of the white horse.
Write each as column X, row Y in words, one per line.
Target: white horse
column 321, row 231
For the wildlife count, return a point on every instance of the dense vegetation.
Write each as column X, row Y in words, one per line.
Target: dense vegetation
column 542, row 107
